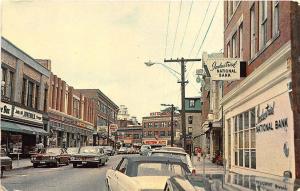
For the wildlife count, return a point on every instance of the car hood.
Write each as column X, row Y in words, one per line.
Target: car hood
column 151, row 182
column 86, row 155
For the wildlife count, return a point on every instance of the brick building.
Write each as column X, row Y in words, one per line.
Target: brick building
column 24, row 101
column 129, row 133
column 261, row 111
column 71, row 115
column 157, row 128
column 105, row 116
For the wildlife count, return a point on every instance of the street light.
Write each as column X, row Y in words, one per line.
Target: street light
column 172, row 121
column 171, row 70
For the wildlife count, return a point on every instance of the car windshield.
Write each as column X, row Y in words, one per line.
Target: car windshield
column 145, row 147
column 175, row 155
column 160, row 169
column 72, row 150
column 89, row 150
column 53, row 151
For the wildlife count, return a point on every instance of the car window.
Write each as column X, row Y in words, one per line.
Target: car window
column 159, row 169
column 53, row 151
column 122, row 167
column 89, row 150
column 176, row 155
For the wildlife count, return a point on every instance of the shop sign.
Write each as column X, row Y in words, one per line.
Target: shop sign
column 225, row 69
column 80, row 124
column 278, row 123
column 113, row 127
column 6, row 109
column 28, row 115
column 155, row 142
column 155, row 114
column 127, row 141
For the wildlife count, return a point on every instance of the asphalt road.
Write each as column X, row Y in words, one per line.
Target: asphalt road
column 64, row 178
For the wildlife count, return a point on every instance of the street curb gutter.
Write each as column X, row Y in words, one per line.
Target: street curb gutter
column 22, row 168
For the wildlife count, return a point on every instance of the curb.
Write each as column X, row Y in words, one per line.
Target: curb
column 21, row 168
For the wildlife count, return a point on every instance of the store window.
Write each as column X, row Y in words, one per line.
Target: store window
column 244, row 139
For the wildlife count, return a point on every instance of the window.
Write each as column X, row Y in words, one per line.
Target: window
column 156, row 124
column 155, row 133
column 275, row 14
column 229, row 9
column 228, row 50
column 252, row 31
column 244, row 139
column 37, row 95
column 263, row 23
column 145, row 126
column 76, row 107
column 192, row 103
column 45, row 99
column 162, row 133
column 190, row 130
column 234, row 46
column 229, row 141
column 169, row 133
column 190, row 119
column 150, row 125
column 3, row 82
column 150, row 133
column 241, row 42
column 30, row 94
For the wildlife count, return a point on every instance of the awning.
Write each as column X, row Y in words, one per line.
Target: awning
column 9, row 126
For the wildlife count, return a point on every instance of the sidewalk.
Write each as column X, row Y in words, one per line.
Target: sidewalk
column 22, row 163
column 210, row 167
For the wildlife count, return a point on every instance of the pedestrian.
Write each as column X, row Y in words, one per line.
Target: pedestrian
column 198, row 154
column 40, row 147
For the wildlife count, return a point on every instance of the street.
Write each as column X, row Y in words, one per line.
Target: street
column 64, row 178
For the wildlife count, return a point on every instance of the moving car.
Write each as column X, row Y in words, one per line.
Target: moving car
column 122, row 150
column 145, row 149
column 178, row 154
column 6, row 162
column 51, row 157
column 109, row 150
column 89, row 155
column 135, row 173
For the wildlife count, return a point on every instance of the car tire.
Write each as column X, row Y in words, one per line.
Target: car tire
column 56, row 164
column 74, row 165
column 35, row 165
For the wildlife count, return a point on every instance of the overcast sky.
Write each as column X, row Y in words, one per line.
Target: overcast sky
column 104, row 44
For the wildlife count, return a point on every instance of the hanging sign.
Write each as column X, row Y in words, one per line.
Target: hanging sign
column 6, row 109
column 28, row 115
column 225, row 69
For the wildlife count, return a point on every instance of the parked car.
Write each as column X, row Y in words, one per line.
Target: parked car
column 173, row 149
column 89, row 155
column 109, row 150
column 72, row 151
column 51, row 157
column 130, row 150
column 135, row 173
column 145, row 149
column 178, row 154
column 122, row 150
column 6, row 162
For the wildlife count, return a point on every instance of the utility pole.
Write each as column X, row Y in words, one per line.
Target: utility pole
column 172, row 122
column 183, row 82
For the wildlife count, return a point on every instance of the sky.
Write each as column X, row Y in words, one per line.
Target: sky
column 104, row 44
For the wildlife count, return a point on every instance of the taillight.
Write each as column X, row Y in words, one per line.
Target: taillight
column 193, row 172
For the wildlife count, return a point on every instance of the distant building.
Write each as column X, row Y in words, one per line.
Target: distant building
column 105, row 116
column 123, row 113
column 157, row 128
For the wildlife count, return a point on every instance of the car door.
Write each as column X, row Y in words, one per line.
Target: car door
column 121, row 176
column 112, row 176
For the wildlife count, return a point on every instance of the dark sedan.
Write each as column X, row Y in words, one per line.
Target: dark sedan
column 51, row 157
column 90, row 155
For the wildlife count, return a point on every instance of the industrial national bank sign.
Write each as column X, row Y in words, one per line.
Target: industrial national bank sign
column 226, row 69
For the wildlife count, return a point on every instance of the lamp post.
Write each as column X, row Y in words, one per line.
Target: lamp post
column 172, row 121
column 171, row 70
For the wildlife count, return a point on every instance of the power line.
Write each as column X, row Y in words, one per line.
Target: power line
column 187, row 22
column 167, row 30
column 198, row 33
column 176, row 28
column 211, row 21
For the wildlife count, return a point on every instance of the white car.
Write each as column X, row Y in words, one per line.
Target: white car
column 140, row 173
column 178, row 154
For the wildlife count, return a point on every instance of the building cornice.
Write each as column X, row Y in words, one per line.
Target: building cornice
column 68, row 116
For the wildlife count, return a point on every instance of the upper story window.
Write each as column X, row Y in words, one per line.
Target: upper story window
column 234, row 46
column 30, row 94
column 263, row 23
column 37, row 95
column 192, row 103
column 229, row 10
column 190, row 119
column 7, row 83
column 241, row 42
column 228, row 50
column 76, row 107
column 45, row 99
column 275, row 13
column 252, row 32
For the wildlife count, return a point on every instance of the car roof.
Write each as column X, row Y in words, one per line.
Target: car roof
column 151, row 159
column 168, row 151
column 173, row 148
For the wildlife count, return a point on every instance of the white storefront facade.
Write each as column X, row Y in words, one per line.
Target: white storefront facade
column 259, row 129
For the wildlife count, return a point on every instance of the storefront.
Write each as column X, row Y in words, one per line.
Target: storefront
column 21, row 129
column 259, row 129
column 68, row 132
